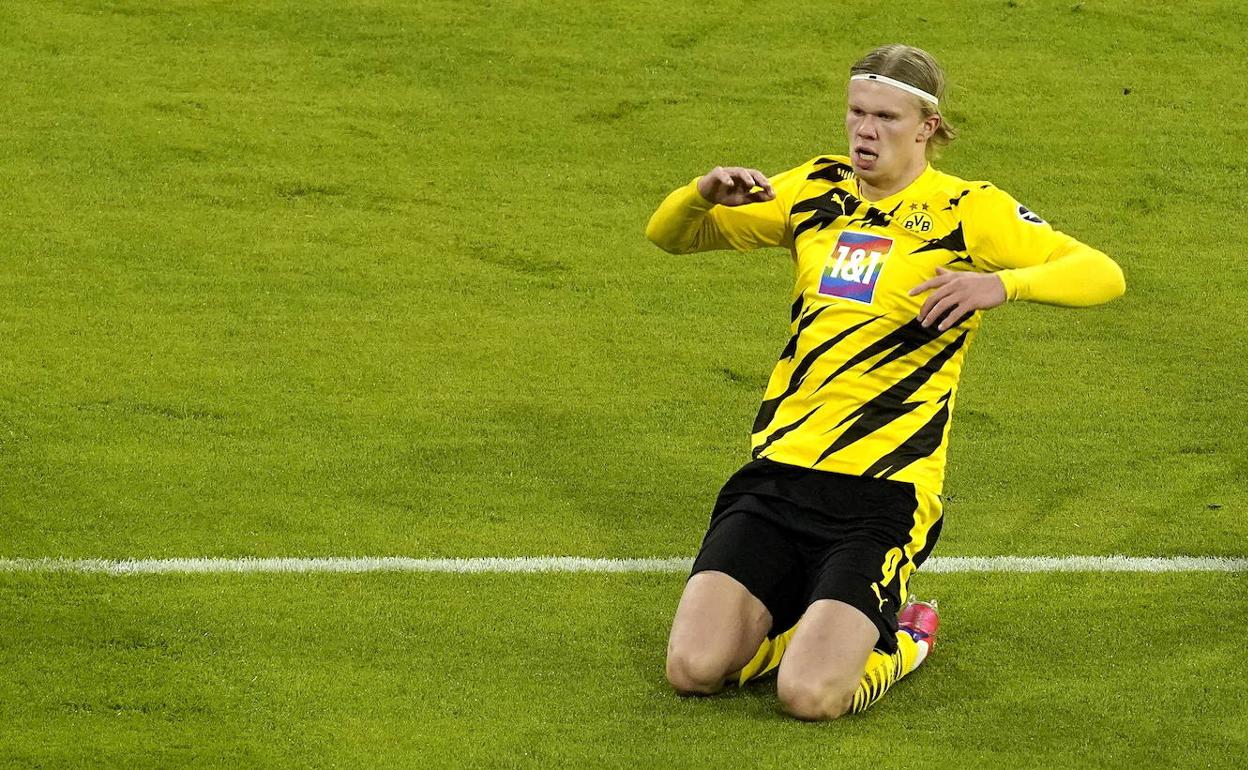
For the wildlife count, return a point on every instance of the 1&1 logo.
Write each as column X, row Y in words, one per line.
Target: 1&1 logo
column 854, row 266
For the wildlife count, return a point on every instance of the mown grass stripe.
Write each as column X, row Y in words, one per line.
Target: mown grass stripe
column 332, row 564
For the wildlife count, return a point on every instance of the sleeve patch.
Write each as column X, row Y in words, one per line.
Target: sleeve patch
column 1027, row 215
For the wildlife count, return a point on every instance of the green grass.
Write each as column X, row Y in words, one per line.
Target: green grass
column 287, row 278
column 313, row 278
column 1033, row 671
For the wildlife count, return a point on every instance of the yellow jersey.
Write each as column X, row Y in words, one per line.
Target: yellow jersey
column 861, row 387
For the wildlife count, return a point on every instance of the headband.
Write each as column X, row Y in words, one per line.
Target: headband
column 919, row 92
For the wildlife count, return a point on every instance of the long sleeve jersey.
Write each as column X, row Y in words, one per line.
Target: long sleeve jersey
column 861, row 387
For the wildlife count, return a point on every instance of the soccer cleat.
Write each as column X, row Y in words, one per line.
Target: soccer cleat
column 920, row 621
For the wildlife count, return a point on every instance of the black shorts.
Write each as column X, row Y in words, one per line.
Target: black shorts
column 793, row 535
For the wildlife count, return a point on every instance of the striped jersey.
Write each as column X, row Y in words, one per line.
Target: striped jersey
column 860, row 387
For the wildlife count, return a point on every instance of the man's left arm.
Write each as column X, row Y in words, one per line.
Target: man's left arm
column 1073, row 275
column 1027, row 260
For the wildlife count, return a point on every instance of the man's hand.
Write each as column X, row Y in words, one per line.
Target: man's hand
column 957, row 295
column 731, row 186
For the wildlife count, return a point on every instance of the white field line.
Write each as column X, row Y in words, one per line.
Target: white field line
column 336, row 564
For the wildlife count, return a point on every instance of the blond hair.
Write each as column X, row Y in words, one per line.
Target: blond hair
column 915, row 67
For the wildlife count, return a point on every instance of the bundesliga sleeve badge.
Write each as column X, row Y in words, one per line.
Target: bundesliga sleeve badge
column 1027, row 215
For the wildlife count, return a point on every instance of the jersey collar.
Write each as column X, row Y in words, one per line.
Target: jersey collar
column 916, row 188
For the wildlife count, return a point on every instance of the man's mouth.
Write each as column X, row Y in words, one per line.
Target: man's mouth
column 862, row 154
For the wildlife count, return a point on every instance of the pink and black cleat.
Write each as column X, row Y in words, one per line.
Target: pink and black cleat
column 920, row 620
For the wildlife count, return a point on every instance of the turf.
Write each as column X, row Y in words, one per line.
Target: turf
column 323, row 279
column 297, row 278
column 564, row 671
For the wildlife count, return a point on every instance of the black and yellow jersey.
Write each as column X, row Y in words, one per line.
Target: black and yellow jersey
column 861, row 387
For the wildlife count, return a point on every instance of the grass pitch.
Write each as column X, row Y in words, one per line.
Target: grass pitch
column 496, row 671
column 319, row 279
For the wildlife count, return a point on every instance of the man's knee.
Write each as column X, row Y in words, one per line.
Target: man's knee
column 824, row 664
column 695, row 673
column 815, row 699
column 717, row 629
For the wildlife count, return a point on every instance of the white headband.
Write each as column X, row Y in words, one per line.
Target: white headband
column 919, row 92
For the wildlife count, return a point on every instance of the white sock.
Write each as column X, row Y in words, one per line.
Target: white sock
column 923, row 649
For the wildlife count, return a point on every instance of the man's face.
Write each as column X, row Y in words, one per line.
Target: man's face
column 884, row 125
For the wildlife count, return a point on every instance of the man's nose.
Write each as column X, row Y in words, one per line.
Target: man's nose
column 867, row 127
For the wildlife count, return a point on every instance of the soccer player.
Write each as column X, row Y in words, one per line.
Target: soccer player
column 895, row 263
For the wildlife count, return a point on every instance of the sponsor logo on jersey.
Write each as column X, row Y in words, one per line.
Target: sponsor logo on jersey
column 918, row 222
column 1027, row 215
column 854, row 266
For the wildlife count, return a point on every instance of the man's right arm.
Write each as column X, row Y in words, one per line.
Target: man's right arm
column 728, row 208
